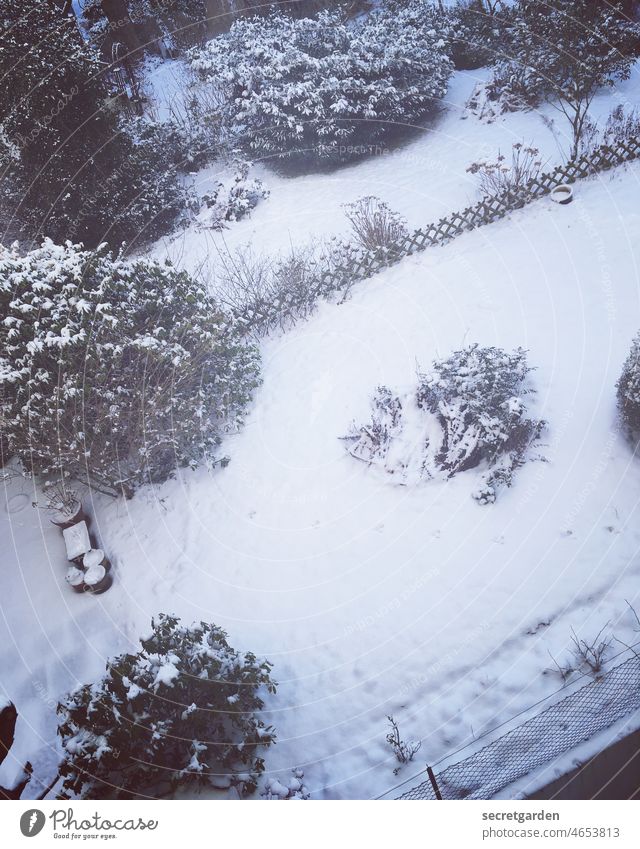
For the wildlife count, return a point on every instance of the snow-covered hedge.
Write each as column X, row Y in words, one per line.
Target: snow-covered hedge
column 321, row 86
column 629, row 389
column 114, row 372
column 468, row 411
column 292, row 788
column 183, row 709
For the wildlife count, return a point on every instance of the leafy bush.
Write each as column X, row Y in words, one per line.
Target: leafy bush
column 182, row 710
column 114, row 373
column 375, row 225
column 234, row 200
column 629, row 390
column 317, row 86
column 467, row 411
column 134, row 198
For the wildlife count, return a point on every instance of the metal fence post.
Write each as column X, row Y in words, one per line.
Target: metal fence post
column 434, row 783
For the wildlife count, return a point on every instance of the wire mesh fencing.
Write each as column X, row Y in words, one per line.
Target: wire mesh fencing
column 536, row 742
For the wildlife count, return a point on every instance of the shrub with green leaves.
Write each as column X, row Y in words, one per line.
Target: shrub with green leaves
column 468, row 411
column 72, row 165
column 184, row 710
column 315, row 86
column 115, row 373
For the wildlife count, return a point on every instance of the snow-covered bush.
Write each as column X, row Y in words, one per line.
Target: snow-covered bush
column 233, row 200
column 628, row 387
column 591, row 47
column 71, row 169
column 178, row 23
column 375, row 225
column 8, row 718
column 497, row 177
column 319, row 87
column 468, row 411
column 134, row 198
column 185, row 709
column 114, row 372
column 404, row 750
column 294, row 788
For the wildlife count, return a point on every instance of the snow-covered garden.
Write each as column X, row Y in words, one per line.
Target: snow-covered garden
column 405, row 502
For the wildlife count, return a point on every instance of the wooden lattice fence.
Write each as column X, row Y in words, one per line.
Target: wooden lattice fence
column 355, row 264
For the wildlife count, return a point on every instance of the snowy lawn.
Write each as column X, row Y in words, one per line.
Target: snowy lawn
column 372, row 598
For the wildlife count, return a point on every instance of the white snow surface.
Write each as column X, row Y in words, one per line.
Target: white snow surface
column 372, row 598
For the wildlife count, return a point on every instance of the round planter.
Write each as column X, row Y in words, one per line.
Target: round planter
column 65, row 520
column 97, row 580
column 562, row 194
column 96, row 557
column 75, row 579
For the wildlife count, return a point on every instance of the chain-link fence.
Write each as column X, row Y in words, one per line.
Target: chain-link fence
column 539, row 740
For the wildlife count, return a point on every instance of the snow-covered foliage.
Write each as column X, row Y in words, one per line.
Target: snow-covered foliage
column 70, row 168
column 111, row 372
column 319, row 86
column 467, row 411
column 375, row 225
column 592, row 46
column 264, row 292
column 293, row 788
column 234, row 199
column 8, row 717
column 183, row 709
column 629, row 389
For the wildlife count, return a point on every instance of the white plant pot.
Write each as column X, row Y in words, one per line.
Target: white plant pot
column 562, row 194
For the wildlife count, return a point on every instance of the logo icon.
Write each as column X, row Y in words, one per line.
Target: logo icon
column 32, row 822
